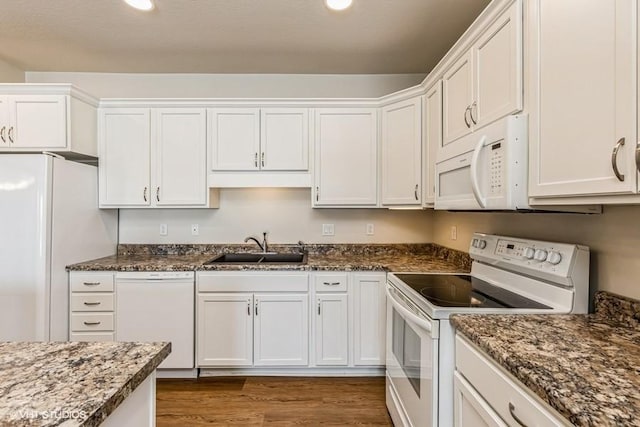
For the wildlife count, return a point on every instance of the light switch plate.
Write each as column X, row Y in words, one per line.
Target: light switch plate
column 370, row 230
column 328, row 230
column 164, row 229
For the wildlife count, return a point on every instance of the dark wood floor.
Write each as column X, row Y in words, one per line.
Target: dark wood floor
column 274, row 401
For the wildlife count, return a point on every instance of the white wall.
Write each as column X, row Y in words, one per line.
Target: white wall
column 285, row 213
column 10, row 73
column 613, row 237
column 123, row 85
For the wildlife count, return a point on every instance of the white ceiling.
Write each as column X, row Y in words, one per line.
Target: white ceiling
column 232, row 36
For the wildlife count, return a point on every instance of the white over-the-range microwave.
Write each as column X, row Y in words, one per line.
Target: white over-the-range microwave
column 488, row 170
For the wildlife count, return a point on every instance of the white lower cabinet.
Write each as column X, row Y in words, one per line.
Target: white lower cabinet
column 369, row 319
column 486, row 395
column 91, row 303
column 332, row 330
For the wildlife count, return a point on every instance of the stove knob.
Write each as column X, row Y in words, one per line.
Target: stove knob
column 474, row 243
column 540, row 255
column 554, row 258
column 529, row 252
column 482, row 244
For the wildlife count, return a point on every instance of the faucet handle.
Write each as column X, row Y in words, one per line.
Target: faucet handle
column 301, row 244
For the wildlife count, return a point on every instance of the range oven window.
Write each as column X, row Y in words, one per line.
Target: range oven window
column 406, row 348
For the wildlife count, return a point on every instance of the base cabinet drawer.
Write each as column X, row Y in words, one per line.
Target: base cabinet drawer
column 92, row 336
column 91, row 302
column 505, row 395
column 91, row 282
column 81, row 322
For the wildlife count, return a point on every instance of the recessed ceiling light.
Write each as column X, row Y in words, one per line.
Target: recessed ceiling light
column 140, row 4
column 338, row 4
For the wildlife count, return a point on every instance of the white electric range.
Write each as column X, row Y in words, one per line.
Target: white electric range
column 508, row 276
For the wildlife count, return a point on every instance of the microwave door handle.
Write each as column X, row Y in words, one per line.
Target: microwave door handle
column 424, row 324
column 475, row 184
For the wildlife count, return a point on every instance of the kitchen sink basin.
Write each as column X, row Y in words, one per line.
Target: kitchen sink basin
column 267, row 258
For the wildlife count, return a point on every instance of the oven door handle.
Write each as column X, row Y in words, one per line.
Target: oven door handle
column 475, row 181
column 424, row 324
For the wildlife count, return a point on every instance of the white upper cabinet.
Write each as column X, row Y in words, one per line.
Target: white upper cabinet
column 432, row 139
column 402, row 153
column 284, row 140
column 486, row 82
column 584, row 92
column 181, row 146
column 57, row 118
column 125, row 160
column 235, row 138
column 346, row 151
column 251, row 139
column 153, row 158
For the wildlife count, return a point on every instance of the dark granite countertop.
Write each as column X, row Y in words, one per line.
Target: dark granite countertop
column 585, row 366
column 71, row 383
column 405, row 257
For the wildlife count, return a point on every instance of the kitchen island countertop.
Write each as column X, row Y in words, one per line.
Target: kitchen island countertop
column 71, row 383
column 585, row 366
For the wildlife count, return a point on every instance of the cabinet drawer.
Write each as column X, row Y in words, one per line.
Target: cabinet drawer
column 91, row 302
column 330, row 282
column 91, row 282
column 91, row 322
column 92, row 336
column 253, row 282
column 507, row 396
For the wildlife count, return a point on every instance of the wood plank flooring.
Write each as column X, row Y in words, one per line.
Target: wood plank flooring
column 271, row 401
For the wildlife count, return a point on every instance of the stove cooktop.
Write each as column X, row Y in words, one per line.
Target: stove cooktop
column 463, row 290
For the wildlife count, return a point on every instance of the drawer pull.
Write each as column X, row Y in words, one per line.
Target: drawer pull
column 91, row 283
column 331, row 283
column 614, row 160
column 512, row 411
column 91, row 304
column 91, row 323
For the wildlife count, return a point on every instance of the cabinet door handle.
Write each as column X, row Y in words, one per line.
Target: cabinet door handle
column 614, row 159
column 331, row 283
column 474, row 105
column 262, row 159
column 144, row 194
column 466, row 122
column 512, row 411
column 91, row 304
column 256, row 308
column 255, row 159
column 638, row 157
column 91, row 323
column 318, row 307
column 158, row 194
column 415, row 192
column 91, row 283
column 10, row 134
column 248, row 307
column 317, row 194
column 2, row 133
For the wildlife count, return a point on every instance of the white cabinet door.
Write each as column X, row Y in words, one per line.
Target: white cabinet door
column 432, row 138
column 497, row 60
column 37, row 121
column 281, row 329
column 584, row 100
column 224, row 330
column 470, row 409
column 457, row 95
column 124, row 142
column 401, row 153
column 332, row 329
column 181, row 160
column 4, row 122
column 369, row 315
column 346, row 157
column 284, row 139
column 234, row 138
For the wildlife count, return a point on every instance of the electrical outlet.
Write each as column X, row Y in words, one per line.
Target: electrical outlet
column 195, row 229
column 328, row 230
column 454, row 232
column 370, row 230
column 164, row 229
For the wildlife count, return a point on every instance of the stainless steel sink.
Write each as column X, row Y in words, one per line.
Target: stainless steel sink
column 268, row 258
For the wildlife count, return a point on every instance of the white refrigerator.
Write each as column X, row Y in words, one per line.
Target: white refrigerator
column 49, row 218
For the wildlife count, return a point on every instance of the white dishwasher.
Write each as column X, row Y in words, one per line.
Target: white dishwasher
column 158, row 306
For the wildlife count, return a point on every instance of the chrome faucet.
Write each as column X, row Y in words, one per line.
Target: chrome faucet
column 264, row 246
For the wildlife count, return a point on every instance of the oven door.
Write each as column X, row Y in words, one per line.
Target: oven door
column 412, row 363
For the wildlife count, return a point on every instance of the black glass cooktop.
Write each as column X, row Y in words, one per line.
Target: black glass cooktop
column 452, row 290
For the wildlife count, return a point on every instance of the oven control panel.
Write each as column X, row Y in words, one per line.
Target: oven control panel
column 548, row 259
